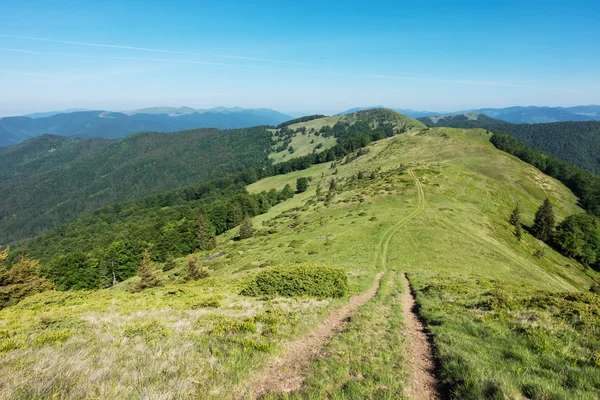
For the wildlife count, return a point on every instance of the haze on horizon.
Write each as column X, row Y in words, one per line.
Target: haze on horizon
column 300, row 57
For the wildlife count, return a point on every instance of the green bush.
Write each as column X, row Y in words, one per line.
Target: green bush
column 304, row 280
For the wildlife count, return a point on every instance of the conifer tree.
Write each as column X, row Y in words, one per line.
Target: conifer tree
column 519, row 231
column 148, row 274
column 105, row 278
column 515, row 220
column 246, row 230
column 24, row 270
column 196, row 271
column 543, row 223
column 235, row 215
column 3, row 270
column 169, row 263
column 204, row 234
column 515, row 217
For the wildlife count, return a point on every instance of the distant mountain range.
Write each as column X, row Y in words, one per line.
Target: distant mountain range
column 111, row 125
column 516, row 115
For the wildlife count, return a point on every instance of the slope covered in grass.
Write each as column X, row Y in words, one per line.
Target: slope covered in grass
column 576, row 142
column 478, row 287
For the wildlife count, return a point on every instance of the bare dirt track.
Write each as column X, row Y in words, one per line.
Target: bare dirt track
column 286, row 374
column 423, row 386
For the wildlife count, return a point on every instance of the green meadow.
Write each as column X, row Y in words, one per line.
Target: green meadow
column 509, row 318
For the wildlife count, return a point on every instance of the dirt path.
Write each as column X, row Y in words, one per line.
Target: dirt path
column 382, row 247
column 424, row 386
column 286, row 374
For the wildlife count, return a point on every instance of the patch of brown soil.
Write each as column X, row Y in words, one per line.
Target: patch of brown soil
column 423, row 386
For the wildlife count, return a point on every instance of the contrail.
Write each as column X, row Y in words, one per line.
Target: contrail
column 112, row 46
column 330, row 73
column 133, row 58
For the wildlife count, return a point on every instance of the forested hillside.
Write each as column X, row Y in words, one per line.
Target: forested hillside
column 50, row 180
column 68, row 182
column 43, row 153
column 75, row 255
column 574, row 142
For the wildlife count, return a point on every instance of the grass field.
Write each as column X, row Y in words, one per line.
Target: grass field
column 506, row 323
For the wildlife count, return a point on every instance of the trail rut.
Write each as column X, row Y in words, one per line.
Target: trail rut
column 286, row 374
column 423, row 386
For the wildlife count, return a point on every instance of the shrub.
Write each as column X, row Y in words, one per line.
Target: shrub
column 304, row 280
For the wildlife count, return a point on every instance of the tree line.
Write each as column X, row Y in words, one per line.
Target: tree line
column 584, row 184
column 578, row 235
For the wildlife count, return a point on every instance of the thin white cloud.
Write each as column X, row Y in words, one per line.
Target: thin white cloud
column 112, row 46
column 131, row 58
column 306, row 70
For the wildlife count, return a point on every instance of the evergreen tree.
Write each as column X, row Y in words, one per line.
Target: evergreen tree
column 205, row 234
column 196, row 271
column 332, row 185
column 543, row 223
column 360, row 175
column 372, row 176
column 515, row 220
column 169, row 263
column 235, row 215
column 246, row 230
column 301, row 184
column 24, row 270
column 519, row 231
column 105, row 278
column 515, row 217
column 4, row 277
column 147, row 272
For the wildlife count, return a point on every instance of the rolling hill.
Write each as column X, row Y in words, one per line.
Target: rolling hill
column 49, row 180
column 574, row 142
column 428, row 204
column 111, row 125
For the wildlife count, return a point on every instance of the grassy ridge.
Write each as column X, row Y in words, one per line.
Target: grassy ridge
column 204, row 339
column 570, row 141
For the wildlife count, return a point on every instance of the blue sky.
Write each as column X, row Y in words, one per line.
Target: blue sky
column 297, row 56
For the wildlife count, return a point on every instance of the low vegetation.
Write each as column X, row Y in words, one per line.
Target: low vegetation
column 306, row 280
